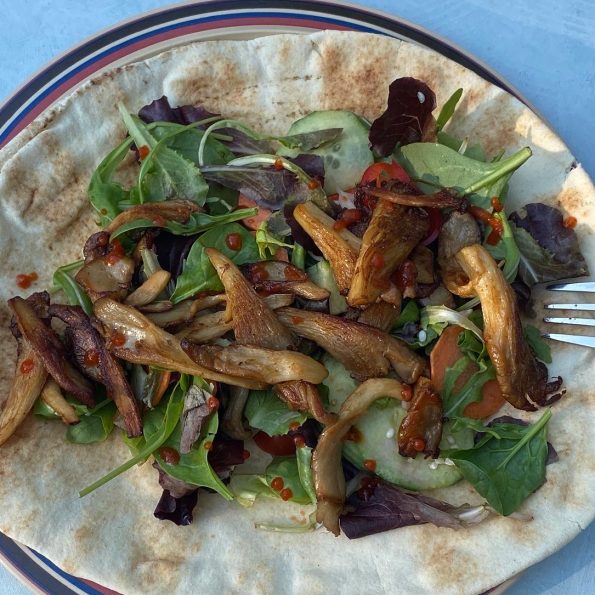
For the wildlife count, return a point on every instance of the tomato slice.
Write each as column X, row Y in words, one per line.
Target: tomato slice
column 435, row 216
column 380, row 172
column 278, row 446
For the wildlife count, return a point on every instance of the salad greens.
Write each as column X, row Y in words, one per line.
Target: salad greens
column 328, row 164
column 507, row 464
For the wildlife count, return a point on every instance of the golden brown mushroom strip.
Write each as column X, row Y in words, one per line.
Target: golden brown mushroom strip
column 380, row 315
column 392, row 234
column 134, row 338
column 30, row 376
column 261, row 365
column 52, row 395
column 206, row 328
column 442, row 199
column 365, row 351
column 329, row 481
column 254, row 323
column 304, row 396
column 520, row 376
column 149, row 290
column 340, row 248
column 48, row 347
column 159, row 212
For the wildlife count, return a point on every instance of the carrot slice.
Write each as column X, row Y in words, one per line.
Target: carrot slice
column 445, row 354
column 255, row 221
column 490, row 403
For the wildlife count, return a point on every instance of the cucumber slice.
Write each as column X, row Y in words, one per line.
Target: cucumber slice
column 379, row 428
column 322, row 274
column 346, row 158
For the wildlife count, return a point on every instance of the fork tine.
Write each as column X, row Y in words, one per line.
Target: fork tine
column 588, row 286
column 580, row 321
column 573, row 339
column 589, row 307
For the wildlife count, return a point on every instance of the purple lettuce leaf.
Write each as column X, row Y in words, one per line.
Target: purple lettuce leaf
column 409, row 109
column 384, row 507
column 549, row 250
column 243, row 144
column 161, row 111
column 176, row 510
column 225, row 455
column 269, row 187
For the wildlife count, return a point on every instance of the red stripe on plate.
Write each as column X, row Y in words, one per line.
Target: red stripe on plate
column 158, row 38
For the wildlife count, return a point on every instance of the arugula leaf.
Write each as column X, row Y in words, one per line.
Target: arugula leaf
column 265, row 411
column 153, row 440
column 194, row 467
column 505, row 470
column 540, row 348
column 448, row 109
column 198, row 274
column 304, row 467
column 95, row 426
column 268, row 242
column 164, row 173
column 106, row 195
column 437, row 164
column 548, row 250
column 287, row 469
column 197, row 223
column 74, row 292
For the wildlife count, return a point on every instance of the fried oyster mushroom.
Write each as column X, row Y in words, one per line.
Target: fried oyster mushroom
column 523, row 380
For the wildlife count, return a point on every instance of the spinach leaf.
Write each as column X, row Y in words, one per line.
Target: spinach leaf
column 448, row 109
column 164, row 173
column 458, row 145
column 304, row 466
column 197, row 223
column 173, row 409
column 287, row 469
column 265, row 411
column 74, row 292
column 106, row 195
column 436, row 164
column 506, row 469
column 540, row 348
column 410, row 313
column 548, row 250
column 194, row 467
column 95, row 426
column 198, row 274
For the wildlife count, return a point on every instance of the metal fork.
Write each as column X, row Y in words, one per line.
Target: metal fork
column 587, row 287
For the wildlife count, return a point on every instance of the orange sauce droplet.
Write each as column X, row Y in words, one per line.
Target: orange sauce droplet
column 118, row 339
column 213, row 403
column 496, row 204
column 313, row 184
column 27, row 366
column 277, row 484
column 419, row 444
column 25, row 281
column 406, row 392
column 354, row 435
column 299, row 441
column 377, row 260
column 278, row 164
column 208, row 445
column 370, row 464
column 91, row 357
column 233, row 241
column 294, row 425
column 143, row 152
column 570, row 222
column 286, row 494
column 245, row 454
column 170, row 455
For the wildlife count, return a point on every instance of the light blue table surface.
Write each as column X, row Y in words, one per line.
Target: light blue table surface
column 545, row 48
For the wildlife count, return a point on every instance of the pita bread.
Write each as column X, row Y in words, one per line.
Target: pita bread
column 111, row 537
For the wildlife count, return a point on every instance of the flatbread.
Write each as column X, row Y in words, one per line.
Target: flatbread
column 111, row 537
